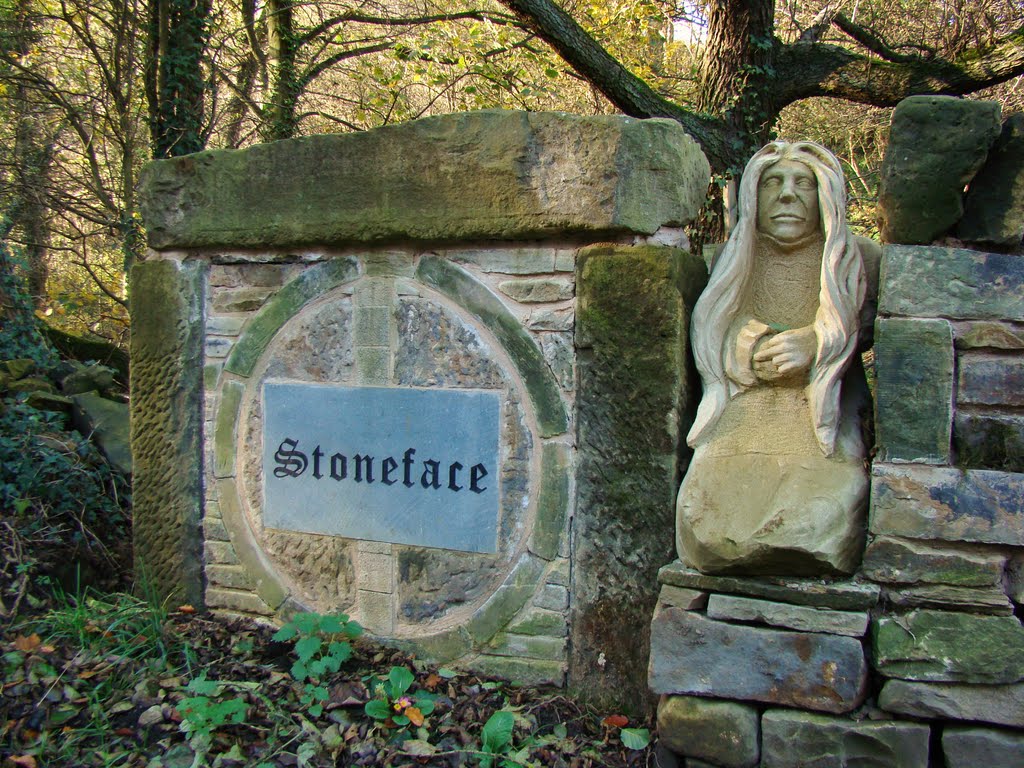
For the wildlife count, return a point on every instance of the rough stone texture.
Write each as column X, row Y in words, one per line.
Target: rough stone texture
column 631, row 335
column 914, row 391
column 898, row 561
column 432, row 582
column 943, row 646
column 680, row 597
column 936, row 146
column 994, row 208
column 106, row 423
column 1015, row 578
column 973, row 747
column 537, row 290
column 843, row 595
column 989, row 440
column 989, row 600
column 464, row 290
column 802, row 740
column 471, row 175
column 950, row 282
column 990, row 379
column 692, row 654
column 999, row 704
column 166, row 426
column 800, row 617
column 946, row 503
column 724, row 732
column 988, row 334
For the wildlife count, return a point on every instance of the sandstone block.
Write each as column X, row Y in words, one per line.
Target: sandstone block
column 843, row 595
column 950, row 282
column 999, row 704
column 989, row 440
column 691, row 654
column 988, row 334
column 901, row 561
column 914, row 363
column 946, row 646
column 799, row 617
column 948, row 504
column 537, row 290
column 722, row 732
column 994, row 207
column 472, row 175
column 972, row 747
column 988, row 600
column 680, row 597
column 936, row 146
column 803, row 740
column 990, row 379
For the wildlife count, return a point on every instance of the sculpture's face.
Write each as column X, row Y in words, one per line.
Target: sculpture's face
column 787, row 202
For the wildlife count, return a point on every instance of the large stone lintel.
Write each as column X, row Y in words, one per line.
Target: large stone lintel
column 841, row 595
column 1000, row 704
column 475, row 175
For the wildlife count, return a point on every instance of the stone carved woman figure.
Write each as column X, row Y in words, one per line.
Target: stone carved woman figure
column 777, row 483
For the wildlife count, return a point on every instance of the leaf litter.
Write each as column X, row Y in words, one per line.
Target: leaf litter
column 65, row 705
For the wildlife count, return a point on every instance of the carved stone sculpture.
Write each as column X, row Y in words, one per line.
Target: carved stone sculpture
column 777, row 484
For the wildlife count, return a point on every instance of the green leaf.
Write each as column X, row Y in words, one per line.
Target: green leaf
column 299, row 671
column 400, row 720
column 332, row 625
column 560, row 731
column 377, row 709
column 635, row 738
column 307, row 647
column 497, row 733
column 287, row 632
column 400, row 679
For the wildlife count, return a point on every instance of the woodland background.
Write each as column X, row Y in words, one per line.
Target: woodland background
column 90, row 90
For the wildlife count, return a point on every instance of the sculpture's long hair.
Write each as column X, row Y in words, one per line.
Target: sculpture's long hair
column 842, row 293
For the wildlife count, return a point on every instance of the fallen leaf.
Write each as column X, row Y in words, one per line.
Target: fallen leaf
column 23, row 761
column 27, row 645
column 615, row 721
column 414, row 715
column 186, row 608
column 432, row 681
column 418, row 748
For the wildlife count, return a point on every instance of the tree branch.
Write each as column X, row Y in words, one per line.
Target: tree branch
column 620, row 86
column 830, row 70
column 385, row 21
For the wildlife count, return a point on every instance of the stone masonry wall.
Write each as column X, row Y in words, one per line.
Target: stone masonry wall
column 445, row 254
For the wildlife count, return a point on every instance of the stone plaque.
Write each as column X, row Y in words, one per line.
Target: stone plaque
column 406, row 466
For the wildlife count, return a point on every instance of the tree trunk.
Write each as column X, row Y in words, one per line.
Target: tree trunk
column 281, row 121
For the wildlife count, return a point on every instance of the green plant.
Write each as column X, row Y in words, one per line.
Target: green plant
column 393, row 704
column 496, row 740
column 321, row 647
column 206, row 710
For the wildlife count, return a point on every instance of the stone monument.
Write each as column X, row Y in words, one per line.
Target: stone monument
column 777, row 484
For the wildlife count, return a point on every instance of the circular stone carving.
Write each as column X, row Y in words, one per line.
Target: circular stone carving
column 433, row 343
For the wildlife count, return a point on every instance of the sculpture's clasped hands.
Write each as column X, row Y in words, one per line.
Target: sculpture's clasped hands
column 780, row 355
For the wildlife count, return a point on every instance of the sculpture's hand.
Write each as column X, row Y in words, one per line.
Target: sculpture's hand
column 785, row 353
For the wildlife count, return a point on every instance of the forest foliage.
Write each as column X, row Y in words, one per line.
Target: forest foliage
column 90, row 90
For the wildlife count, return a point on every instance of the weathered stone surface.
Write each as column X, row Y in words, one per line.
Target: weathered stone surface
column 944, row 646
column 632, row 387
column 914, row 391
column 462, row 288
column 973, row 747
column 471, row 175
column 951, row 282
column 521, row 671
column 538, row 621
column 946, row 503
column 680, row 597
column 537, row 290
column 990, row 379
column 988, row 600
column 842, row 595
column 802, row 740
column 1015, row 579
column 166, row 426
column 988, row 440
column 800, row 617
column 691, row 654
column 899, row 561
column 988, row 334
column 1000, row 704
column 434, row 581
column 552, row 320
column 527, row 646
column 106, row 422
column 936, row 145
column 994, row 208
column 723, row 732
